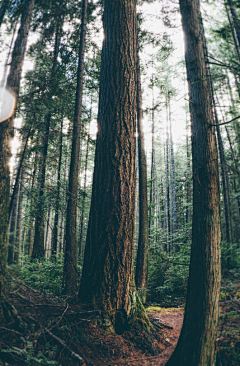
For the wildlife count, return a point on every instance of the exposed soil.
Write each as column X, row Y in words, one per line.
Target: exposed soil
column 65, row 333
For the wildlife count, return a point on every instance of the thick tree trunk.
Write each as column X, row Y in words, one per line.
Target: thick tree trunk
column 70, row 258
column 107, row 278
column 196, row 345
column 142, row 252
column 13, row 83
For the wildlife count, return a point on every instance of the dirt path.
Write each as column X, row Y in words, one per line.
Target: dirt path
column 171, row 321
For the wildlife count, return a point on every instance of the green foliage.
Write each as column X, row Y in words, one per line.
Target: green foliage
column 45, row 276
column 168, row 275
column 29, row 357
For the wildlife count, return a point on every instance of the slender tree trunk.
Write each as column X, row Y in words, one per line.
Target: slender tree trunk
column 80, row 242
column 57, row 203
column 167, row 188
column 12, row 228
column 29, row 236
column 70, row 259
column 235, row 20
column 142, row 252
column 196, row 345
column 19, row 217
column 107, row 278
column 226, row 193
column 174, row 208
column 236, row 204
column 38, row 243
column 15, row 188
column 236, row 43
column 6, row 132
column 188, row 214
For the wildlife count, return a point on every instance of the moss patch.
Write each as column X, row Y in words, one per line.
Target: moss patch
column 159, row 309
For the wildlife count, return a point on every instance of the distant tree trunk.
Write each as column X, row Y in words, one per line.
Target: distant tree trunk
column 235, row 20
column 12, row 228
column 226, row 194
column 19, row 218
column 167, row 187
column 107, row 279
column 38, row 243
column 196, row 345
column 6, row 132
column 16, row 183
column 151, row 217
column 142, row 252
column 173, row 195
column 152, row 193
column 236, row 188
column 57, row 203
column 70, row 258
column 233, row 30
column 3, row 9
column 80, row 242
column 29, row 235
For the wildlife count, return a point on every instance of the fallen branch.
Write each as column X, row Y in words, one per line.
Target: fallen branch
column 165, row 325
column 73, row 354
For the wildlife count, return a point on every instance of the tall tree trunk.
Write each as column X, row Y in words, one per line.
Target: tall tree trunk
column 226, row 193
column 107, row 278
column 173, row 195
column 196, row 345
column 16, row 183
column 29, row 236
column 38, row 243
column 6, row 132
column 57, row 203
column 80, row 242
column 70, row 258
column 142, row 252
column 19, row 217
column 188, row 213
column 12, row 227
column 167, row 187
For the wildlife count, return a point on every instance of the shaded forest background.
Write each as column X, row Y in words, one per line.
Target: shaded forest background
column 50, row 126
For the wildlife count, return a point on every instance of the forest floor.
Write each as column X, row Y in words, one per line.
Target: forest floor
column 58, row 333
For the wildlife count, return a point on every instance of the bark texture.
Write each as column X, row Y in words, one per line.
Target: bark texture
column 196, row 345
column 70, row 259
column 107, row 278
